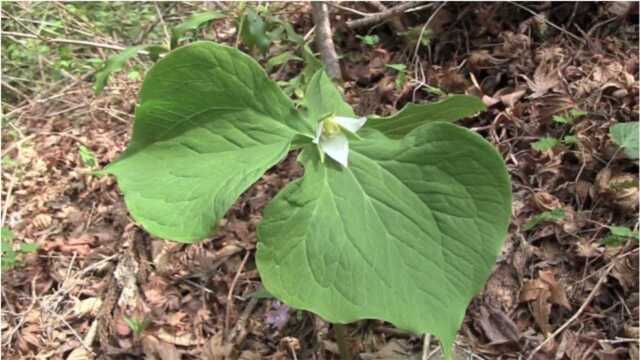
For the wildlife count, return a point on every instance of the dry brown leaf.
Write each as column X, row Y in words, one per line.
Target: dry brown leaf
column 216, row 349
column 394, row 349
column 80, row 353
column 42, row 221
column 497, row 326
column 626, row 272
column 87, row 306
column 545, row 78
column 541, row 293
column 180, row 338
column 545, row 201
column 558, row 295
column 158, row 350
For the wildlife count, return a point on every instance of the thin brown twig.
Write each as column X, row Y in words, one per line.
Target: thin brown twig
column 227, row 314
column 64, row 41
column 557, row 27
column 381, row 16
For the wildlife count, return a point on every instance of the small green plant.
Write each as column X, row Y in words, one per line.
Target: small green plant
column 369, row 40
column 407, row 204
column 401, row 79
column 626, row 136
column 568, row 117
column 87, row 157
column 545, row 216
column 545, row 144
column 138, row 326
column 619, row 235
column 11, row 256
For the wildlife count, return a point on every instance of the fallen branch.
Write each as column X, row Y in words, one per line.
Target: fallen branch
column 324, row 40
column 381, row 16
column 63, row 41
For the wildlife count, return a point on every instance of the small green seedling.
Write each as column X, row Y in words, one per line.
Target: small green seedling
column 12, row 256
column 619, row 235
column 396, row 218
column 138, row 326
column 369, row 40
column 87, row 157
column 401, row 79
column 545, row 144
column 544, row 217
column 568, row 117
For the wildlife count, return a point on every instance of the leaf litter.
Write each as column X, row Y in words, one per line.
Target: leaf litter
column 526, row 71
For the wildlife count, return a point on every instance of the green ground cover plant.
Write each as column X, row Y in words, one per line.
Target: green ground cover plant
column 397, row 218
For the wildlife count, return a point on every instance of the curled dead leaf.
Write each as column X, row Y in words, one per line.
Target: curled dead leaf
column 42, row 221
column 545, row 201
column 541, row 293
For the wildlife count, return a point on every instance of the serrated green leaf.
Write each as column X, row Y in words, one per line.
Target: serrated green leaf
column 626, row 136
column 412, row 116
column 545, row 143
column 408, row 233
column 546, row 216
column 209, row 124
column 116, row 63
column 193, row 23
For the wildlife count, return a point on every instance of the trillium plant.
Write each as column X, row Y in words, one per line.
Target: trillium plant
column 396, row 218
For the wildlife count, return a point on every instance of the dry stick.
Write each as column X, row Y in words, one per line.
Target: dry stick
column 324, row 40
column 230, row 294
column 578, row 313
column 382, row 16
column 425, row 347
column 164, row 24
column 559, row 28
column 63, row 41
column 344, row 346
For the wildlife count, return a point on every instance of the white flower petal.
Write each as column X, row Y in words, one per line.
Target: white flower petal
column 337, row 148
column 351, row 124
column 316, row 140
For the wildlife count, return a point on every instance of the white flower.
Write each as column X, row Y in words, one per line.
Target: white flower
column 331, row 136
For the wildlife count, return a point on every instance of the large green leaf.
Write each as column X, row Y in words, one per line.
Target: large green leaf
column 626, row 136
column 209, row 124
column 408, row 233
column 412, row 116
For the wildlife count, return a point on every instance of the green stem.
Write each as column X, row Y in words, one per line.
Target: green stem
column 344, row 347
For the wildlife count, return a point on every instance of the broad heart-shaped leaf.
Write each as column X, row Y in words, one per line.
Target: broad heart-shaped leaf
column 209, row 124
column 412, row 116
column 408, row 233
column 626, row 136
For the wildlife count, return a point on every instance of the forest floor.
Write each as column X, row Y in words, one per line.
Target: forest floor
column 555, row 77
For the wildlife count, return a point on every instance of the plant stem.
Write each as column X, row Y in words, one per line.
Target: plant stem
column 344, row 347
